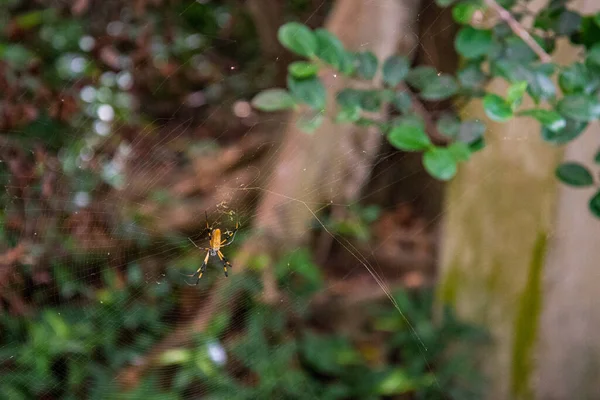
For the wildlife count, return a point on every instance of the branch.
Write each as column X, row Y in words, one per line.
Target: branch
column 519, row 30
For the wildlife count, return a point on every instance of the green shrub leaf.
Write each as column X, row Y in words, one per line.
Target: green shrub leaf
column 496, row 108
column 574, row 174
column 440, row 163
column 366, row 65
column 595, row 204
column 549, row 118
column 298, row 38
column 440, row 88
column 273, row 100
column 395, row 70
column 564, row 135
column 515, row 94
column 310, row 91
column 473, row 43
column 408, row 134
column 579, row 107
column 302, row 69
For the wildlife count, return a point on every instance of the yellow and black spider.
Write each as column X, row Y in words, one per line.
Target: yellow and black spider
column 215, row 243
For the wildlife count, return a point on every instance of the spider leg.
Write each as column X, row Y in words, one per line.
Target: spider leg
column 225, row 262
column 201, row 270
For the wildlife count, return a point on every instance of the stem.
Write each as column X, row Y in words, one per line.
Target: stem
column 519, row 30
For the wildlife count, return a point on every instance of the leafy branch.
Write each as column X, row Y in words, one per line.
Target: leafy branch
column 506, row 50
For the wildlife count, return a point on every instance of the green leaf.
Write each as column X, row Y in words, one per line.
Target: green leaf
column 310, row 121
column 473, row 43
column 574, row 174
column 579, row 107
column 460, row 151
column 348, row 114
column 463, row 12
column 515, row 94
column 568, row 23
column 370, row 100
column 448, row 125
column 571, row 130
column 349, row 98
column 331, row 50
column 496, row 108
column 593, row 55
column 549, row 118
column 302, row 69
column 440, row 163
column 594, row 204
column 310, row 91
column 440, row 88
column 471, row 131
column 273, row 100
column 578, row 78
column 366, row 65
column 471, row 76
column 298, row 38
column 396, row 382
column 420, row 76
column 597, row 157
column 408, row 134
column 395, row 69
column 402, row 101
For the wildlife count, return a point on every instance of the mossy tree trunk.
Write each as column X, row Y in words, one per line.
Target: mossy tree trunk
column 512, row 259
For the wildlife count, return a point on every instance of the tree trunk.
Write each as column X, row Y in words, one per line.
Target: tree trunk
column 568, row 359
column 332, row 164
column 500, row 227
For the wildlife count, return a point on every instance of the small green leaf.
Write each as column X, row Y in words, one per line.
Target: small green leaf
column 440, row 163
column 366, row 65
column 568, row 23
column 473, row 43
column 349, row 98
column 348, row 114
column 574, row 174
column 309, row 122
column 395, row 69
column 471, row 76
column 397, row 382
column 420, row 76
column 331, row 50
column 496, row 108
column 273, row 100
column 460, row 151
column 402, row 101
column 310, row 91
column 597, row 157
column 408, row 134
column 579, row 107
column 549, row 118
column 302, row 69
column 440, row 88
column 471, row 131
column 595, row 204
column 515, row 94
column 571, row 130
column 371, row 100
column 593, row 55
column 577, row 78
column 298, row 38
column 463, row 12
column 448, row 125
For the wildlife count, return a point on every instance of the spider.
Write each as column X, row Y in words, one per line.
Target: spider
column 215, row 243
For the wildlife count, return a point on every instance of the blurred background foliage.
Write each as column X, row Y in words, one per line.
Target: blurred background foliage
column 84, row 292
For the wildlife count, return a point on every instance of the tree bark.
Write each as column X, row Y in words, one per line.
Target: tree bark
column 518, row 258
column 568, row 358
column 332, row 164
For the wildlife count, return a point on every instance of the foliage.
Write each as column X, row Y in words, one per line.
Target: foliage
column 497, row 51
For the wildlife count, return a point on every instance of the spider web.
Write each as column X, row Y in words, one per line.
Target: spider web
column 117, row 249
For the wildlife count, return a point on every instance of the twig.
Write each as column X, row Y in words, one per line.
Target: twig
column 519, row 30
